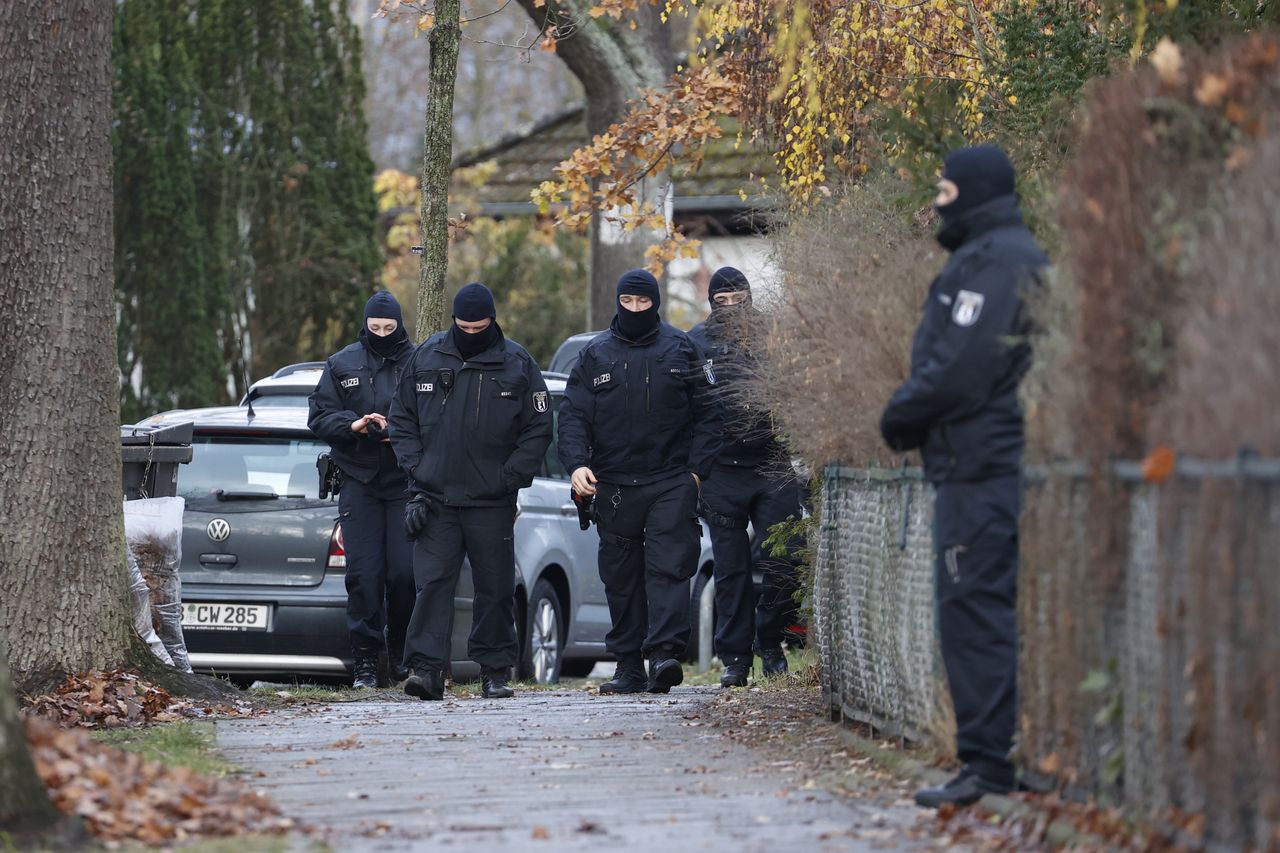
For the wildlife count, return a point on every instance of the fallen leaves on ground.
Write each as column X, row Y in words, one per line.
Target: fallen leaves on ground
column 118, row 698
column 1030, row 829
column 122, row 796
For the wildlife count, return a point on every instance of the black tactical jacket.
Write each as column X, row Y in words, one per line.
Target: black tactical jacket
column 356, row 382
column 960, row 405
column 471, row 433
column 749, row 433
column 636, row 412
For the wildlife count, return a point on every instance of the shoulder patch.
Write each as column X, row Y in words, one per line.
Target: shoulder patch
column 967, row 308
column 539, row 401
column 709, row 371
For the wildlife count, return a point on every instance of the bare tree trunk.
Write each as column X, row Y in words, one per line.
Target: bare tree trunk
column 25, row 807
column 62, row 570
column 437, row 153
column 614, row 63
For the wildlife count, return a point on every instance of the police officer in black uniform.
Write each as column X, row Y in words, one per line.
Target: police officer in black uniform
column 960, row 408
column 639, row 432
column 753, row 482
column 348, row 410
column 470, row 425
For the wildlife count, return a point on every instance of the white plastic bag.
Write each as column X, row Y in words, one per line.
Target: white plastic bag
column 153, row 530
column 140, row 594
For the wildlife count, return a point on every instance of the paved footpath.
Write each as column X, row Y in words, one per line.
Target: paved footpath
column 562, row 770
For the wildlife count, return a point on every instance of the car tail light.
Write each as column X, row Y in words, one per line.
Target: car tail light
column 337, row 551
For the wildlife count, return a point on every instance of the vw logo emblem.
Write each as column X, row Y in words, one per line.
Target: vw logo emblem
column 218, row 530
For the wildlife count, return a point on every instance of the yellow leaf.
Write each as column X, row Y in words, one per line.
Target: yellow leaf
column 1167, row 61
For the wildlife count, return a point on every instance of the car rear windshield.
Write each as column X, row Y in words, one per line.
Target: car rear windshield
column 242, row 464
column 293, row 401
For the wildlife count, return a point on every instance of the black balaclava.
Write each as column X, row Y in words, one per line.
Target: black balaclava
column 728, row 279
column 383, row 306
column 981, row 173
column 473, row 304
column 634, row 325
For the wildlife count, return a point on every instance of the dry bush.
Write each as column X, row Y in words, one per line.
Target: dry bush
column 1155, row 154
column 838, row 342
column 1226, row 378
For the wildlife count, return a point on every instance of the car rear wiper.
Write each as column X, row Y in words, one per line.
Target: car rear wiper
column 249, row 494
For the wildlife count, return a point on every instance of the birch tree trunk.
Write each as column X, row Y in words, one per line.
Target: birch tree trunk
column 62, row 570
column 614, row 62
column 437, row 154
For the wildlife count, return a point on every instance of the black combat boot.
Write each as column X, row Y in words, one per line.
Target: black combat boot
column 969, row 786
column 493, row 683
column 773, row 662
column 365, row 671
column 425, row 684
column 736, row 670
column 628, row 676
column 664, row 670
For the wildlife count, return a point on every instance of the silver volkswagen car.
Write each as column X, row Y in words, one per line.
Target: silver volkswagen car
column 263, row 560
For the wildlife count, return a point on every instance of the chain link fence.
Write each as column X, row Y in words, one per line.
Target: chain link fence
column 1150, row 632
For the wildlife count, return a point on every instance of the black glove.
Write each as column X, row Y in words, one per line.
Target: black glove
column 415, row 516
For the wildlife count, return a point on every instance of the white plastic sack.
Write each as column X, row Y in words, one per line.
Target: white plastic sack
column 140, row 594
column 153, row 530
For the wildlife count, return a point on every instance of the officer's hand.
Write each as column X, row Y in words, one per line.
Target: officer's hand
column 415, row 516
column 584, row 481
column 362, row 425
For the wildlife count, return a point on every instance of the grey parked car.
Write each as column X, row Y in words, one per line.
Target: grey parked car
column 263, row 560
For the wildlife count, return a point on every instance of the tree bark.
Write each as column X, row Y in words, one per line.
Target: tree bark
column 437, row 154
column 25, row 807
column 63, row 599
column 614, row 63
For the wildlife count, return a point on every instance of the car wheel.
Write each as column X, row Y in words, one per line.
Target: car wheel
column 544, row 635
column 702, row 587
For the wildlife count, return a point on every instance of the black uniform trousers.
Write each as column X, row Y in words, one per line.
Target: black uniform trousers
column 379, row 575
column 649, row 544
column 976, row 536
column 486, row 536
column 733, row 496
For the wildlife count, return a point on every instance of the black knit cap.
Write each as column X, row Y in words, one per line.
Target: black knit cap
column 474, row 303
column 383, row 306
column 640, row 283
column 727, row 279
column 981, row 173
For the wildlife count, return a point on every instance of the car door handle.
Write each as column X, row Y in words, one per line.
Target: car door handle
column 227, row 560
column 569, row 509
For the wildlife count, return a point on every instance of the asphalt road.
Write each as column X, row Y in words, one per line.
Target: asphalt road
column 562, row 770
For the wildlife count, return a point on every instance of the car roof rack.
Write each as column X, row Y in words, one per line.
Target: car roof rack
column 295, row 368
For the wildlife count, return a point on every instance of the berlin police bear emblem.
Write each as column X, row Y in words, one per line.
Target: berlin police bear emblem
column 539, row 401
column 967, row 308
column 709, row 371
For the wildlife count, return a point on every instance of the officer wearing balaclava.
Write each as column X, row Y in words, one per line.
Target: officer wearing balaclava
column 960, row 409
column 470, row 425
column 753, row 484
column 348, row 410
column 639, row 431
